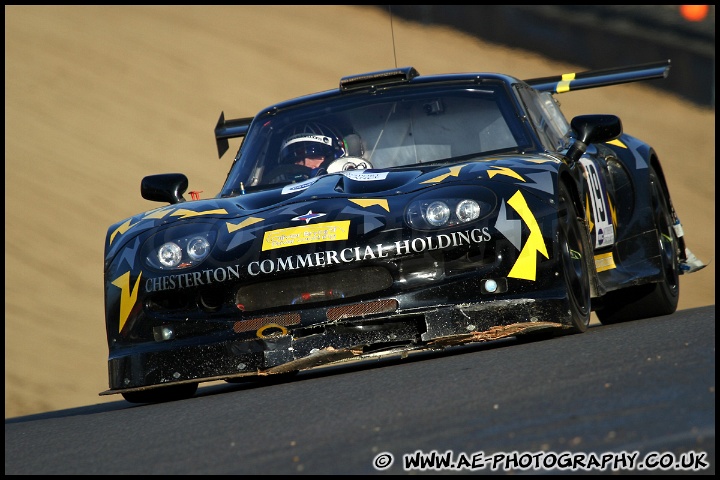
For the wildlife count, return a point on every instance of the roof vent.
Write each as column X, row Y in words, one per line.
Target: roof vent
column 381, row 77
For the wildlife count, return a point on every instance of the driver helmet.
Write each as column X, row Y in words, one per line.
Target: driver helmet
column 312, row 139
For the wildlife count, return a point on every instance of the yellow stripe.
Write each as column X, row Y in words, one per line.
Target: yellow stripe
column 564, row 84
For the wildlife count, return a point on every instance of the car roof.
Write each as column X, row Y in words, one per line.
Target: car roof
column 393, row 79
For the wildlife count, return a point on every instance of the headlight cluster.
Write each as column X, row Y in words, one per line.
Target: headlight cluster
column 179, row 247
column 449, row 207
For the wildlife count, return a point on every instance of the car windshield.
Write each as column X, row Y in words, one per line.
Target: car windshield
column 381, row 131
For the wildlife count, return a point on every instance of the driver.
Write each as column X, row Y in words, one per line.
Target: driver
column 312, row 145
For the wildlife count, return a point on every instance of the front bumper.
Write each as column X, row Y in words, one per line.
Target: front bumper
column 223, row 356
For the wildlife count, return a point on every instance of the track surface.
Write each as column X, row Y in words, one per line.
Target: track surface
column 644, row 386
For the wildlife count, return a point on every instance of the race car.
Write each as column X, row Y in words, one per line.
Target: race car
column 398, row 212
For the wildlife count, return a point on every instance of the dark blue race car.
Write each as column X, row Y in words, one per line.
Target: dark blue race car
column 397, row 212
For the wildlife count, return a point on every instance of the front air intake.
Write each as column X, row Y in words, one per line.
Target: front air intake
column 316, row 288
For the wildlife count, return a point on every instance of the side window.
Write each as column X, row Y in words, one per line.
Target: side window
column 551, row 125
column 556, row 120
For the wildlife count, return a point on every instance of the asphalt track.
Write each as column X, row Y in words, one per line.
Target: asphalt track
column 644, row 388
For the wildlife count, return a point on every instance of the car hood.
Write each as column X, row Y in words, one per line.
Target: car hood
column 368, row 184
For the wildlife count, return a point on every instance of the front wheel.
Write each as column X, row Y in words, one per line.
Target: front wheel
column 575, row 255
column 653, row 299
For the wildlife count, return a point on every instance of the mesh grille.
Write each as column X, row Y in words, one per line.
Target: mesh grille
column 257, row 323
column 361, row 309
column 315, row 288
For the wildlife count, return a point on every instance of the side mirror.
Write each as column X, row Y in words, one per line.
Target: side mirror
column 592, row 129
column 166, row 187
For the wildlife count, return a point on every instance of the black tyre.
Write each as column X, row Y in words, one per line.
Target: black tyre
column 576, row 254
column 654, row 299
column 162, row 394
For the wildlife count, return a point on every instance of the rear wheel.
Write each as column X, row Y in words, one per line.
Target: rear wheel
column 575, row 255
column 162, row 394
column 655, row 299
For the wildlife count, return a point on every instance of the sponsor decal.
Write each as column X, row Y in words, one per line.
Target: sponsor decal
column 598, row 206
column 321, row 232
column 605, row 236
column 298, row 187
column 192, row 279
column 308, row 260
column 306, row 137
column 364, row 176
column 359, row 254
column 604, row 262
column 308, row 216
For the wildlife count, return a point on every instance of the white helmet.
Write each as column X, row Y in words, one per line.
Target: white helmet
column 312, row 140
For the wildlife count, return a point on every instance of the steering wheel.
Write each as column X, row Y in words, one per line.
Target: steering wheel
column 289, row 172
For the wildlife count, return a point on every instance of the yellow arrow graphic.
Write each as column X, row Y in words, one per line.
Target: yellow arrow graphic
column 526, row 265
column 127, row 297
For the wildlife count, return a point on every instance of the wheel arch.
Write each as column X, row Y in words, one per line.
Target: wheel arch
column 565, row 177
column 654, row 162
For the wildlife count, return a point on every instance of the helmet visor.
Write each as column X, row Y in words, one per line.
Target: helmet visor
column 308, row 150
column 299, row 147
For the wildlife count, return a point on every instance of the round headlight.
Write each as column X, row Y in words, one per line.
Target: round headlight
column 198, row 248
column 467, row 210
column 170, row 255
column 437, row 214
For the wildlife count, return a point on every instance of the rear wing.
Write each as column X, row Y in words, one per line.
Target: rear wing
column 600, row 78
column 226, row 129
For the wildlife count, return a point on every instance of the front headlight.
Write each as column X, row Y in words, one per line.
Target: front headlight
column 449, row 207
column 467, row 210
column 198, row 248
column 179, row 247
column 436, row 213
column 170, row 255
